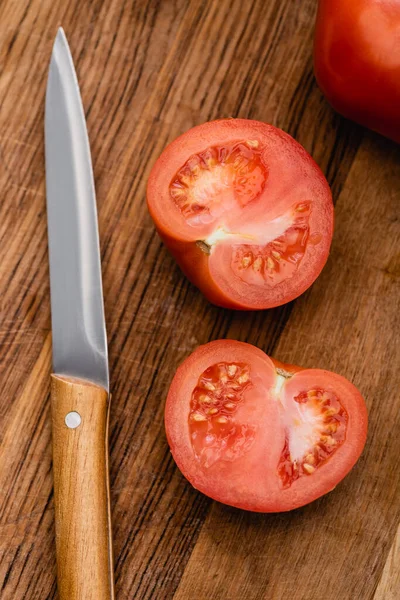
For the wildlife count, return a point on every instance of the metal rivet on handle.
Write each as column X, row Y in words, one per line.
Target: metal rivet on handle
column 73, row 420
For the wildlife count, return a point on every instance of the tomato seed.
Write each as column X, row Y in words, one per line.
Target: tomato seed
column 310, row 459
column 243, row 378
column 270, row 263
column 222, row 420
column 327, row 440
column 205, row 399
column 308, row 468
column 232, row 370
column 209, row 386
column 302, row 207
column 331, row 427
column 257, row 264
column 198, row 417
column 330, row 412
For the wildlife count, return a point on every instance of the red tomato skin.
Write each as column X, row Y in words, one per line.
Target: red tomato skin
column 176, row 419
column 194, row 261
column 357, row 61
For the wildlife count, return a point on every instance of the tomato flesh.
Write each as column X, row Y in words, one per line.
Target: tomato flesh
column 244, row 210
column 252, row 434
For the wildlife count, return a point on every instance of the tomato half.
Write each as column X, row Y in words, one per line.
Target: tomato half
column 245, row 211
column 251, row 432
column 357, row 61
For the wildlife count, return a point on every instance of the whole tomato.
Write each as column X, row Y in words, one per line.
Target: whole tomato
column 357, row 61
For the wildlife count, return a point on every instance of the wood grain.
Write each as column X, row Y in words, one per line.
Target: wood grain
column 85, row 568
column 148, row 71
column 389, row 584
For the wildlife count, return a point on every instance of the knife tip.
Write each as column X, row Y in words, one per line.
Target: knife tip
column 61, row 35
column 60, row 45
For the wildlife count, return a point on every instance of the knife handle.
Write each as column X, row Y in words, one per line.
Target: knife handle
column 80, row 414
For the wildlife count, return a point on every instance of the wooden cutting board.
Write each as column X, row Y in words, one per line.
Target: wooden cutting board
column 148, row 71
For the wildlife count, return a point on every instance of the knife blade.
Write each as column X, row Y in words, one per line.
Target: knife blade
column 80, row 380
column 78, row 324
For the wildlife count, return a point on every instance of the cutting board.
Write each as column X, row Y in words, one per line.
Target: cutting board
column 148, row 71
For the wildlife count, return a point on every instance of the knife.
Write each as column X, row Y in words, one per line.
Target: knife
column 80, row 381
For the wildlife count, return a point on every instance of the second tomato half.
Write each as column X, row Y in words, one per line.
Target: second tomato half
column 245, row 211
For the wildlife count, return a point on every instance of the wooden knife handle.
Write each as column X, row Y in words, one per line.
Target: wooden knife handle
column 80, row 412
